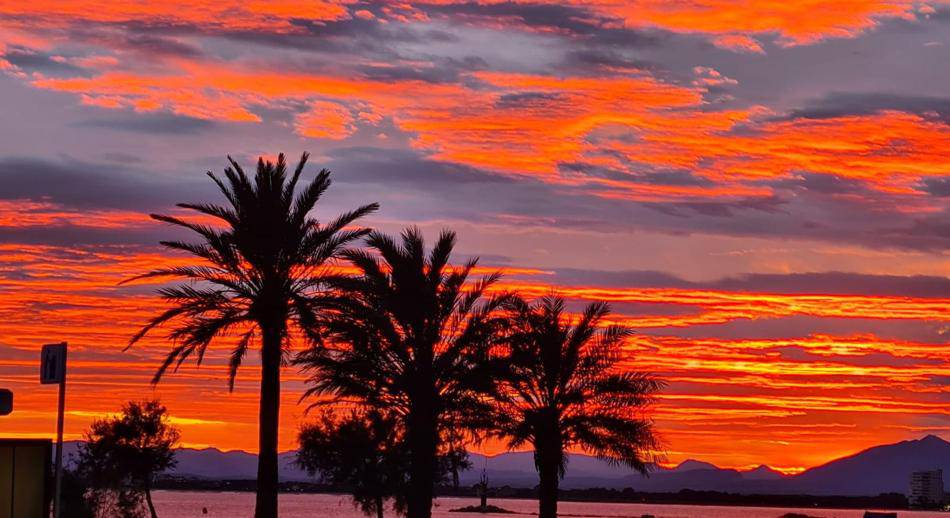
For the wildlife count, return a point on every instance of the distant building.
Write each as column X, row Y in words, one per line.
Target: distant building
column 926, row 488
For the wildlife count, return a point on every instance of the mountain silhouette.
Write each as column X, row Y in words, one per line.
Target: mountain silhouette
column 880, row 469
column 692, row 465
column 762, row 472
column 876, row 470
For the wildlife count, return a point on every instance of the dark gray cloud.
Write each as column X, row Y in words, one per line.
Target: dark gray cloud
column 158, row 123
column 628, row 278
column 837, row 283
column 837, row 193
column 358, row 37
column 36, row 61
column 938, row 186
column 403, row 168
column 606, row 58
column 941, row 381
column 358, row 34
column 93, row 186
column 923, row 232
column 802, row 325
column 634, row 171
column 10, row 353
column 721, row 209
column 806, row 207
column 577, row 23
column 825, row 184
column 71, row 235
column 418, row 188
column 674, row 177
column 804, row 77
column 839, row 104
column 156, row 44
column 900, row 64
column 524, row 100
column 149, row 40
column 438, row 70
column 571, row 19
column 842, row 283
column 159, row 38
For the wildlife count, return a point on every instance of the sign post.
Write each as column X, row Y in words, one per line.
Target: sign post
column 53, row 370
column 6, row 402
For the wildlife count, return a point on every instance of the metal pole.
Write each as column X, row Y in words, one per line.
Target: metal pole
column 59, row 440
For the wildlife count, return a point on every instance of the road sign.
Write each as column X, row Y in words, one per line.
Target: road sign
column 53, row 370
column 6, row 402
column 53, row 364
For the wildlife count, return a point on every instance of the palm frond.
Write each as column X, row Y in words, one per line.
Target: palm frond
column 292, row 184
column 562, row 379
column 261, row 270
column 237, row 356
column 217, row 211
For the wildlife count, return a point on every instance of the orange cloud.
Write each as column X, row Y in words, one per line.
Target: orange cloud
column 889, row 152
column 733, row 24
column 531, row 124
column 528, row 124
column 225, row 15
column 717, row 307
column 52, row 294
column 325, row 120
column 791, row 401
column 27, row 213
column 800, row 22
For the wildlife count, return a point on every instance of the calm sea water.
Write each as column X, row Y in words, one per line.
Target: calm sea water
column 185, row 504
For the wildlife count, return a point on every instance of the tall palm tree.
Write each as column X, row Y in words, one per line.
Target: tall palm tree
column 256, row 273
column 560, row 387
column 412, row 335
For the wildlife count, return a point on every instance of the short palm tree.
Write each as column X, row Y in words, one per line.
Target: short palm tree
column 411, row 335
column 559, row 387
column 256, row 273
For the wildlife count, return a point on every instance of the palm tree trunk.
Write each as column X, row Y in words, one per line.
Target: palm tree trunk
column 379, row 506
column 548, row 472
column 269, row 420
column 547, row 491
column 422, row 438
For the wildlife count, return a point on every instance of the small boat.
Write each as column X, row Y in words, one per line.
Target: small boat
column 876, row 514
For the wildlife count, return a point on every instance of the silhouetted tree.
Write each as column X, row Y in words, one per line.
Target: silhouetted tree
column 75, row 500
column 454, row 460
column 560, row 387
column 122, row 455
column 411, row 337
column 362, row 452
column 256, row 275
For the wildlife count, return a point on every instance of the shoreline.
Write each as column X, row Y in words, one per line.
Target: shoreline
column 829, row 503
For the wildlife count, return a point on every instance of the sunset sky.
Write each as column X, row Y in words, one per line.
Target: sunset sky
column 761, row 188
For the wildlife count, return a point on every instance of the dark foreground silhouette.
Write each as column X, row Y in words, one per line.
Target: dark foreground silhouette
column 684, row 497
column 255, row 275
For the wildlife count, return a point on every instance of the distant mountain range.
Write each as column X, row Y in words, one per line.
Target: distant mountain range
column 881, row 469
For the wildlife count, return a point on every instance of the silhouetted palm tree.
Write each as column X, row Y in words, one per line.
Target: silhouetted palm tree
column 559, row 387
column 413, row 336
column 256, row 275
